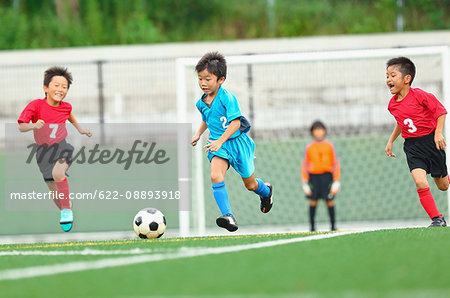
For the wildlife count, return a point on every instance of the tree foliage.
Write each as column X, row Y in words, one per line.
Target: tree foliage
column 65, row 23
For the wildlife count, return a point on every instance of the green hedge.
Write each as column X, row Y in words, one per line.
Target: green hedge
column 37, row 24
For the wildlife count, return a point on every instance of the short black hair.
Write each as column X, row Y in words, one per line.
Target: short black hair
column 57, row 71
column 215, row 63
column 317, row 124
column 405, row 66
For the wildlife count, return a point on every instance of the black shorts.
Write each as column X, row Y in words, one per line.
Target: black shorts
column 320, row 186
column 47, row 156
column 422, row 153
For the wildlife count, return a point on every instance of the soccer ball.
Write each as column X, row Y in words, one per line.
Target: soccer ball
column 149, row 223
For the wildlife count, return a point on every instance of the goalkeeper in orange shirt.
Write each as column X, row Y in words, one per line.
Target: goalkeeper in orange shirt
column 321, row 172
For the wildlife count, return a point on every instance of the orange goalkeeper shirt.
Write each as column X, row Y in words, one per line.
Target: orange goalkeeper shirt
column 320, row 157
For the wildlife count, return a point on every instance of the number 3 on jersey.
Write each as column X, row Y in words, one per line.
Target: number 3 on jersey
column 54, row 128
column 412, row 127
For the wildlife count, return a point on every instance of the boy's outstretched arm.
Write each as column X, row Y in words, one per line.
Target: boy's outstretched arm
column 438, row 136
column 24, row 127
column 199, row 132
column 231, row 129
column 74, row 121
column 394, row 135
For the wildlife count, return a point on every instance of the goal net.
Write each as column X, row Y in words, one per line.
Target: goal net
column 282, row 94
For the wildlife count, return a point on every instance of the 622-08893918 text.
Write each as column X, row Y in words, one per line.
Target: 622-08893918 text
column 138, row 195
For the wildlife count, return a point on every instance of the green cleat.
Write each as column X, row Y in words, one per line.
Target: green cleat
column 66, row 219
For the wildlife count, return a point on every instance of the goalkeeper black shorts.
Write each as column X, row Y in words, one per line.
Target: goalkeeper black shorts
column 320, row 185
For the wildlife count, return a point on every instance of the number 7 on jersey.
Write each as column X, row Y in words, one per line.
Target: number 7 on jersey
column 54, row 128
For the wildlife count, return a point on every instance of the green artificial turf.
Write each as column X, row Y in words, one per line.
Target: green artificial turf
column 386, row 263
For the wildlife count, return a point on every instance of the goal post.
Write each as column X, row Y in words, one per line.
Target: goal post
column 345, row 89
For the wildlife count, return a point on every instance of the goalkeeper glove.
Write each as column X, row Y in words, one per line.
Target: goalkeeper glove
column 307, row 189
column 335, row 187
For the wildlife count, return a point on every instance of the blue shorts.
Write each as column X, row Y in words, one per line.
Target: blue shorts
column 240, row 153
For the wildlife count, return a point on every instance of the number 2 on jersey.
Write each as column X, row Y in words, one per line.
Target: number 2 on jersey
column 54, row 128
column 412, row 127
column 224, row 122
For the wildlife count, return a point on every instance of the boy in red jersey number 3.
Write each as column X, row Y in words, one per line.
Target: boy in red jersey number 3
column 48, row 118
column 420, row 119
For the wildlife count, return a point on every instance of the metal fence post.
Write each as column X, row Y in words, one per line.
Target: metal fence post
column 101, row 100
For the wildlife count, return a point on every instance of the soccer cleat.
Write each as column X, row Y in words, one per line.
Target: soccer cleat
column 228, row 222
column 266, row 203
column 66, row 219
column 438, row 222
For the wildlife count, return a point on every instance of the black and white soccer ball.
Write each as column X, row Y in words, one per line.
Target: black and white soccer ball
column 149, row 223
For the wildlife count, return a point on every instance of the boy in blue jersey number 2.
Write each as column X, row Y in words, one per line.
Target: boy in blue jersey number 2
column 228, row 142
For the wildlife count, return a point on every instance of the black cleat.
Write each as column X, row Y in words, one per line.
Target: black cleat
column 438, row 222
column 228, row 222
column 266, row 203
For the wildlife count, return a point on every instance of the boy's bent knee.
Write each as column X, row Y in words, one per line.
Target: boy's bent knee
column 442, row 183
column 253, row 185
column 421, row 184
column 443, row 187
column 58, row 175
column 59, row 170
column 217, row 177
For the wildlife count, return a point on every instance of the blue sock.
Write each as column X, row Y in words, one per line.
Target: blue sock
column 221, row 195
column 262, row 190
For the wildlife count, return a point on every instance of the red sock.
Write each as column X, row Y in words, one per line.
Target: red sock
column 55, row 200
column 428, row 203
column 63, row 193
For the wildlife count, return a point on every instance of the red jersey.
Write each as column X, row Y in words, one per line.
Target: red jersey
column 320, row 157
column 417, row 113
column 54, row 129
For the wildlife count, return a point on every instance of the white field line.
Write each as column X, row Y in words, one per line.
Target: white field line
column 84, row 252
column 36, row 271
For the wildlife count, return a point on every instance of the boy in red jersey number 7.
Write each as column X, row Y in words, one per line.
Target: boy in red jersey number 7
column 53, row 155
column 420, row 119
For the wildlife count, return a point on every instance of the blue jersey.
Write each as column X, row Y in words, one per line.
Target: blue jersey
column 222, row 110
